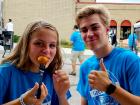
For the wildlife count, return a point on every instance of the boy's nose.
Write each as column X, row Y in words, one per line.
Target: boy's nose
column 90, row 33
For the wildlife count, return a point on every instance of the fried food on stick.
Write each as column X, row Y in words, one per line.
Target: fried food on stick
column 42, row 59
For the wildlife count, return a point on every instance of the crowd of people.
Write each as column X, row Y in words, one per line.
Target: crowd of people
column 109, row 77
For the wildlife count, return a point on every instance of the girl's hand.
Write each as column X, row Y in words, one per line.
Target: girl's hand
column 30, row 98
column 61, row 83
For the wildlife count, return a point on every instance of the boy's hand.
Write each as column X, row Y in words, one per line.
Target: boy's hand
column 99, row 79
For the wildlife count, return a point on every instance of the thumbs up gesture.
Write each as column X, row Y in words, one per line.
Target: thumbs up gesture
column 99, row 79
column 102, row 66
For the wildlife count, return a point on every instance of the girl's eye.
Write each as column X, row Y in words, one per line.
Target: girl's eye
column 40, row 44
column 52, row 45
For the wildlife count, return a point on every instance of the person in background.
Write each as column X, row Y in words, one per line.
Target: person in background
column 114, row 40
column 112, row 75
column 20, row 74
column 78, row 47
column 1, row 36
column 9, row 28
column 133, row 42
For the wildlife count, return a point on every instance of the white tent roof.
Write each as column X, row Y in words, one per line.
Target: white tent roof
column 137, row 25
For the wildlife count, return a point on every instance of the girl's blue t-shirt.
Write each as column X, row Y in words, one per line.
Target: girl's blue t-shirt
column 14, row 82
column 123, row 68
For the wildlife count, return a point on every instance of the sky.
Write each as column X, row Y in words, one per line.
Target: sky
column 119, row 1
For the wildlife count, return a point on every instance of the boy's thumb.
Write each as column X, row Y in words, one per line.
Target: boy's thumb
column 103, row 68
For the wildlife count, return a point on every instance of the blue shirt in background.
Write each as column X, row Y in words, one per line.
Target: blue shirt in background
column 77, row 41
column 132, row 40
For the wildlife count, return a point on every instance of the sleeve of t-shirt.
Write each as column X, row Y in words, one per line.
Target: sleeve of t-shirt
column 2, row 89
column 3, row 84
column 133, row 72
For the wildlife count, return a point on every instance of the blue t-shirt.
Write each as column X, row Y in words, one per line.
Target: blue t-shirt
column 132, row 39
column 123, row 68
column 14, row 82
column 77, row 41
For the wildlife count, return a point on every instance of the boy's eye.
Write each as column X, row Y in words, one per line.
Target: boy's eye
column 91, row 28
column 94, row 28
column 83, row 30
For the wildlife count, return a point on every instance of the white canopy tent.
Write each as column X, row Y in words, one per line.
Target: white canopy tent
column 137, row 25
column 137, row 29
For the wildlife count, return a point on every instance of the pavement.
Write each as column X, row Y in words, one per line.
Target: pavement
column 66, row 54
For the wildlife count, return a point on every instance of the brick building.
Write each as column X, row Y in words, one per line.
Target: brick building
column 61, row 13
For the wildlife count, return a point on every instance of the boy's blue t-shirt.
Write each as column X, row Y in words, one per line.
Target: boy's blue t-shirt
column 123, row 68
column 77, row 41
column 14, row 82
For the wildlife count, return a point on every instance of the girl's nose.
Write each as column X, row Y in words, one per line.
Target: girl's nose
column 46, row 50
